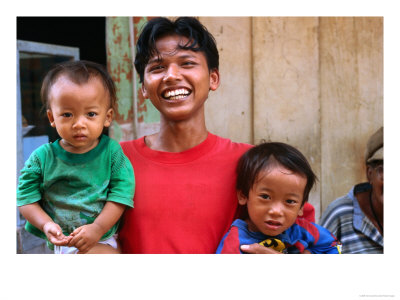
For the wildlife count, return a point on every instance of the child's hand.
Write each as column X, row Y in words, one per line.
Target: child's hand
column 54, row 234
column 85, row 237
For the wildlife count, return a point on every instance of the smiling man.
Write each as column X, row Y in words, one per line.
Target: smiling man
column 185, row 198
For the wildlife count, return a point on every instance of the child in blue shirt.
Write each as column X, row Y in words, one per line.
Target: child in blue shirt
column 274, row 181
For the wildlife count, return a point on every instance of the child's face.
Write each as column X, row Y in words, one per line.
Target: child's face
column 274, row 201
column 79, row 113
column 178, row 83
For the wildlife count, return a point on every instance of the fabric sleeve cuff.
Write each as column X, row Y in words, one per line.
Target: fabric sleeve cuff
column 28, row 200
column 125, row 201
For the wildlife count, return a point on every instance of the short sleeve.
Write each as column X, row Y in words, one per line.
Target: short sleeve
column 230, row 243
column 305, row 235
column 326, row 243
column 122, row 182
column 30, row 181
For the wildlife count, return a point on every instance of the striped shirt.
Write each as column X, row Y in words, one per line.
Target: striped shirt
column 345, row 219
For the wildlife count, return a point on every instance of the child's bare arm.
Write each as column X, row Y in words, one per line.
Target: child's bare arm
column 40, row 219
column 86, row 236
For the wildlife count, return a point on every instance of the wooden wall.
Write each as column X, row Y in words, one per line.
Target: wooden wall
column 313, row 82
column 351, row 97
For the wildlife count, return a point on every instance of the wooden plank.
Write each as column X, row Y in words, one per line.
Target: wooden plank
column 351, row 51
column 119, row 64
column 286, row 87
column 229, row 109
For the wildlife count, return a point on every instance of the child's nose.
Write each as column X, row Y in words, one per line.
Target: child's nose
column 79, row 122
column 275, row 209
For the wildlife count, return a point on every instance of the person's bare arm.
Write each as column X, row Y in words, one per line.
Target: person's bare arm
column 35, row 215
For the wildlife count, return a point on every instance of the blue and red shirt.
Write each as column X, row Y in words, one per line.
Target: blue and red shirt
column 300, row 236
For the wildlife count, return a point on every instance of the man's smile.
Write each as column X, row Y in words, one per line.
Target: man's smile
column 176, row 94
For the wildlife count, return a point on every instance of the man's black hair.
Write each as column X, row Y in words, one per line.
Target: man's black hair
column 199, row 39
column 265, row 155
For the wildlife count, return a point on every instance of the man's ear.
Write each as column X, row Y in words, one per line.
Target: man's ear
column 51, row 118
column 242, row 198
column 109, row 116
column 144, row 91
column 369, row 173
column 214, row 79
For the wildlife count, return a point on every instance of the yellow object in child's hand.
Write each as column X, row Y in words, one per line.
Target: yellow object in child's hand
column 275, row 244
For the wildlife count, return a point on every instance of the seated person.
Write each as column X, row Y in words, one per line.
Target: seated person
column 357, row 218
column 273, row 183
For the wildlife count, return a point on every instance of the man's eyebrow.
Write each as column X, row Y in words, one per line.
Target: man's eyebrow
column 158, row 59
column 154, row 60
column 186, row 55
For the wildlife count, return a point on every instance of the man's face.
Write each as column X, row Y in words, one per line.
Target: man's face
column 177, row 81
column 375, row 177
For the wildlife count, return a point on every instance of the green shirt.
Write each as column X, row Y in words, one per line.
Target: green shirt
column 73, row 188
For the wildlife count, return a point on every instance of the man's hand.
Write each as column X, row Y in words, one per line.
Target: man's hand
column 258, row 249
column 54, row 234
column 85, row 237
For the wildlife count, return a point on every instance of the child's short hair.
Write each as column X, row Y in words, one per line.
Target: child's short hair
column 199, row 39
column 79, row 72
column 265, row 155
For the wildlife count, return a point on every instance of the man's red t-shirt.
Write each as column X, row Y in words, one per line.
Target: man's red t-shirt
column 184, row 202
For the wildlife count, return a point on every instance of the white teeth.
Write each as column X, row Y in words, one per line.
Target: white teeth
column 176, row 93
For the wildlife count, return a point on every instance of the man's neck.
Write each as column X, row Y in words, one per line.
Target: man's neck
column 177, row 136
column 363, row 200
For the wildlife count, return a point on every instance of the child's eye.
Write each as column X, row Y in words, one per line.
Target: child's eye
column 67, row 115
column 265, row 196
column 188, row 63
column 92, row 114
column 291, row 202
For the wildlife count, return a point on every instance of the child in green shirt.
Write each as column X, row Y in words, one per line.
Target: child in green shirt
column 73, row 192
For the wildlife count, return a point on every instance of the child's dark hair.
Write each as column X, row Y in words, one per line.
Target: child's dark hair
column 264, row 155
column 199, row 39
column 79, row 72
